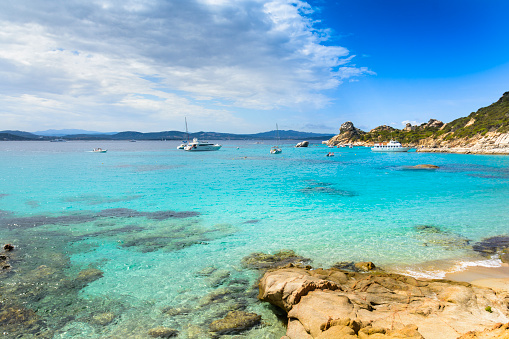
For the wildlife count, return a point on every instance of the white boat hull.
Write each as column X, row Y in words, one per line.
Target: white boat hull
column 190, row 148
column 396, row 149
column 391, row 146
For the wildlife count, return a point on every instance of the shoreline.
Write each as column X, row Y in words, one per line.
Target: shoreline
column 496, row 278
column 464, row 150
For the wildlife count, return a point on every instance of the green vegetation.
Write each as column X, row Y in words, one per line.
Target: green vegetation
column 488, row 309
column 494, row 118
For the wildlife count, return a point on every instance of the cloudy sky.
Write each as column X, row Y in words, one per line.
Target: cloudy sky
column 241, row 66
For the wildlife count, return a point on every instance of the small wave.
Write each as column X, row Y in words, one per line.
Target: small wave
column 432, row 272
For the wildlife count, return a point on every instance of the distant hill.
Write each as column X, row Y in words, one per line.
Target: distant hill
column 63, row 132
column 165, row 135
column 25, row 135
column 12, row 137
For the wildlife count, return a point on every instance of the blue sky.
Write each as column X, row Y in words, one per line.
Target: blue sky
column 242, row 66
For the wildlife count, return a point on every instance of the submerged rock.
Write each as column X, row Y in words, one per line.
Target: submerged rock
column 235, row 322
column 162, row 332
column 218, row 278
column 263, row 261
column 432, row 235
column 16, row 321
column 422, row 166
column 494, row 245
column 378, row 305
column 103, row 318
column 8, row 247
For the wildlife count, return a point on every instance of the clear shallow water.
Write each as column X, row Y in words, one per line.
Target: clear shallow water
column 152, row 217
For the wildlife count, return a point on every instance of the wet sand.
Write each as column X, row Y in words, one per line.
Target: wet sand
column 496, row 278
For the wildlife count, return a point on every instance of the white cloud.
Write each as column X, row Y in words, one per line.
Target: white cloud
column 210, row 57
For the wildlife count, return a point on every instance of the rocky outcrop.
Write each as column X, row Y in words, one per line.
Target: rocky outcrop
column 302, row 144
column 331, row 303
column 490, row 143
column 348, row 134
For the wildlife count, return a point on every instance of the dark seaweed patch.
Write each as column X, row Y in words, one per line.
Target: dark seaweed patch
column 33, row 203
column 159, row 215
column 327, row 190
column 252, row 221
column 93, row 199
column 40, row 220
column 492, row 245
column 432, row 235
column 3, row 195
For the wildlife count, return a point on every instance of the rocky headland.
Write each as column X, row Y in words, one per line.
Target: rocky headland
column 483, row 132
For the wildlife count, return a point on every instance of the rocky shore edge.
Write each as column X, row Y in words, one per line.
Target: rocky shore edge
column 337, row 303
column 491, row 143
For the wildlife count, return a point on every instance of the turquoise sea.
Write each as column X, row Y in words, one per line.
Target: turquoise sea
column 111, row 245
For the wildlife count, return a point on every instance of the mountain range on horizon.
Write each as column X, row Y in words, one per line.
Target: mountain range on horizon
column 76, row 134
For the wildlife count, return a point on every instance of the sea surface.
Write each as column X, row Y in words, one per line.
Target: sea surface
column 111, row 245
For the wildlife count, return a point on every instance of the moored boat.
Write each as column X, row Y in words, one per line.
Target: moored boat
column 99, row 150
column 196, row 145
column 276, row 149
column 391, row 146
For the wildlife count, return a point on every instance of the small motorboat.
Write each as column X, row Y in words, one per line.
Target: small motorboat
column 99, row 150
column 275, row 150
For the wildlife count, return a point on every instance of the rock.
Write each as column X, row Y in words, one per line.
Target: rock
column 365, row 266
column 17, row 320
column 89, row 275
column 263, row 261
column 409, row 127
column 378, row 305
column 347, row 127
column 492, row 245
column 302, row 144
column 348, row 134
column 103, row 318
column 218, row 278
column 8, row 247
column 498, row 331
column 422, row 166
column 173, row 311
column 162, row 332
column 206, row 271
column 235, row 322
column 434, row 123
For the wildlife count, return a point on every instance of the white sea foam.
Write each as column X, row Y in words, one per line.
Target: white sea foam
column 440, row 270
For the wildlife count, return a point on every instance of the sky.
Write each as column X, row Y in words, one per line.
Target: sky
column 243, row 66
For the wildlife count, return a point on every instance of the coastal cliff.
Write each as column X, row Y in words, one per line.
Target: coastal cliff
column 332, row 303
column 485, row 131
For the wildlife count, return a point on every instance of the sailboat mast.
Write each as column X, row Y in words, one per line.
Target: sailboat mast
column 187, row 133
column 277, row 135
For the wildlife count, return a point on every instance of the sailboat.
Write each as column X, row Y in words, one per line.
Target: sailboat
column 185, row 142
column 276, row 149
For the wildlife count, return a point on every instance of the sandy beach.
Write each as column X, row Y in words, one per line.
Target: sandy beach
column 496, row 278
